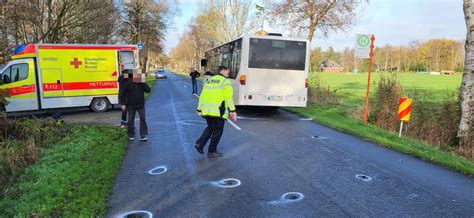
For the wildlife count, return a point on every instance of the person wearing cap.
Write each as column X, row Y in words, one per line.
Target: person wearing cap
column 216, row 104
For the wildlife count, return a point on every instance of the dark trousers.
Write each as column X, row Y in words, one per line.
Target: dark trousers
column 195, row 87
column 131, row 120
column 214, row 130
column 124, row 117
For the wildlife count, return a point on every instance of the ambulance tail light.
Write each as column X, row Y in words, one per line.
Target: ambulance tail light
column 306, row 83
column 243, row 80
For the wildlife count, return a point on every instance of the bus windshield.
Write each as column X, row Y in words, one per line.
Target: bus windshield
column 277, row 54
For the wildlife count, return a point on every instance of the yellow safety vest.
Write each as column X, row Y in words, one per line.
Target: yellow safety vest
column 216, row 98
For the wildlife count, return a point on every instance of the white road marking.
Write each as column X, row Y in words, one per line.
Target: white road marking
column 196, row 95
column 329, row 151
column 306, row 119
column 185, row 86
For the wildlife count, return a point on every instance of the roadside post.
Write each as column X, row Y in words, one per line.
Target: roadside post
column 365, row 49
column 404, row 112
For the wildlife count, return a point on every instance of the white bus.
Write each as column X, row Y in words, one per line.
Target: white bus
column 265, row 70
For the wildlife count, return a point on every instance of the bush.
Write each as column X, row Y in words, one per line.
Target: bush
column 319, row 93
column 435, row 123
column 384, row 112
column 432, row 122
column 3, row 101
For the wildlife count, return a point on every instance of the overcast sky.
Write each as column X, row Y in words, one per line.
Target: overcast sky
column 393, row 22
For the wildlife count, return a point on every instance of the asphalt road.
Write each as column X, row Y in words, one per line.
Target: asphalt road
column 273, row 154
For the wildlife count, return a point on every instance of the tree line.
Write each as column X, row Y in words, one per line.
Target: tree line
column 216, row 22
column 85, row 22
column 431, row 55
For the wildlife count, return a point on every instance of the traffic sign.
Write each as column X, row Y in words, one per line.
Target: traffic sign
column 404, row 112
column 362, row 48
column 404, row 109
column 140, row 46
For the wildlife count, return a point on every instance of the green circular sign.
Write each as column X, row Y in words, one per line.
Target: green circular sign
column 363, row 41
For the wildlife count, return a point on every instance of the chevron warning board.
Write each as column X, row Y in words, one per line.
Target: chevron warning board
column 404, row 109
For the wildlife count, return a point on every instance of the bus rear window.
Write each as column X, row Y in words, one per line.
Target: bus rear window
column 277, row 54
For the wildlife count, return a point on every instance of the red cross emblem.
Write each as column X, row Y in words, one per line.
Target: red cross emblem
column 76, row 63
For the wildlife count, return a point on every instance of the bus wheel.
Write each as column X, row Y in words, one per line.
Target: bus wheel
column 100, row 104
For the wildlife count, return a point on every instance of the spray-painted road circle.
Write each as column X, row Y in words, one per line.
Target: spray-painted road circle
column 287, row 198
column 363, row 177
column 318, row 137
column 158, row 170
column 292, row 196
column 227, row 183
column 136, row 214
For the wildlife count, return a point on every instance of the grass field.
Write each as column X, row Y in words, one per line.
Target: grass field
column 352, row 87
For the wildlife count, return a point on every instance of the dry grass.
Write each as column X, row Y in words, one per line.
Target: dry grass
column 21, row 142
column 389, row 91
column 432, row 123
column 320, row 93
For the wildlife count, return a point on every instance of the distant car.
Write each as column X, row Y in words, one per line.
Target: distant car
column 160, row 74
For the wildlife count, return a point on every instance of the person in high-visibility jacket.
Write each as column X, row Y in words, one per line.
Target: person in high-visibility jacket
column 216, row 104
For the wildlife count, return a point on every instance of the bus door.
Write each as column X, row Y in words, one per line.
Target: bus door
column 18, row 77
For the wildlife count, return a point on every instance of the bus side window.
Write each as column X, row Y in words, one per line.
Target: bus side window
column 235, row 59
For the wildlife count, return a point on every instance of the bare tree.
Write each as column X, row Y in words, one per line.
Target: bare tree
column 145, row 21
column 225, row 20
column 307, row 16
column 465, row 91
column 60, row 21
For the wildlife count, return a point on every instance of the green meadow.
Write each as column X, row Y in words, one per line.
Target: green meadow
column 352, row 87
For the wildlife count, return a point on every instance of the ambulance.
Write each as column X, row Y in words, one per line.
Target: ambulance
column 51, row 76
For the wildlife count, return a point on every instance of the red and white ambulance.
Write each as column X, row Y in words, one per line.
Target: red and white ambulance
column 49, row 76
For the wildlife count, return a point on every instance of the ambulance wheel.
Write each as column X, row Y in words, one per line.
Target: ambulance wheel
column 100, row 104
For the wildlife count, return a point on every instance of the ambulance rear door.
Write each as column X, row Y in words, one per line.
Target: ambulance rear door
column 20, row 80
column 127, row 60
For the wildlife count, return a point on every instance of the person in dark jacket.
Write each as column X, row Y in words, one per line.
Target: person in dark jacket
column 194, row 75
column 133, row 94
column 122, row 80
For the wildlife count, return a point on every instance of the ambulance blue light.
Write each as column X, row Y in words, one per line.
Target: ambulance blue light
column 19, row 49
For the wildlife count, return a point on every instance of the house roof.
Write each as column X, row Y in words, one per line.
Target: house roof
column 330, row 63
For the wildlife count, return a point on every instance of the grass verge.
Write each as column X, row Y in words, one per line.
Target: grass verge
column 73, row 177
column 151, row 82
column 334, row 116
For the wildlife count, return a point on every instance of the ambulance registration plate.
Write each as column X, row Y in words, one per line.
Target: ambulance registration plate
column 275, row 98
